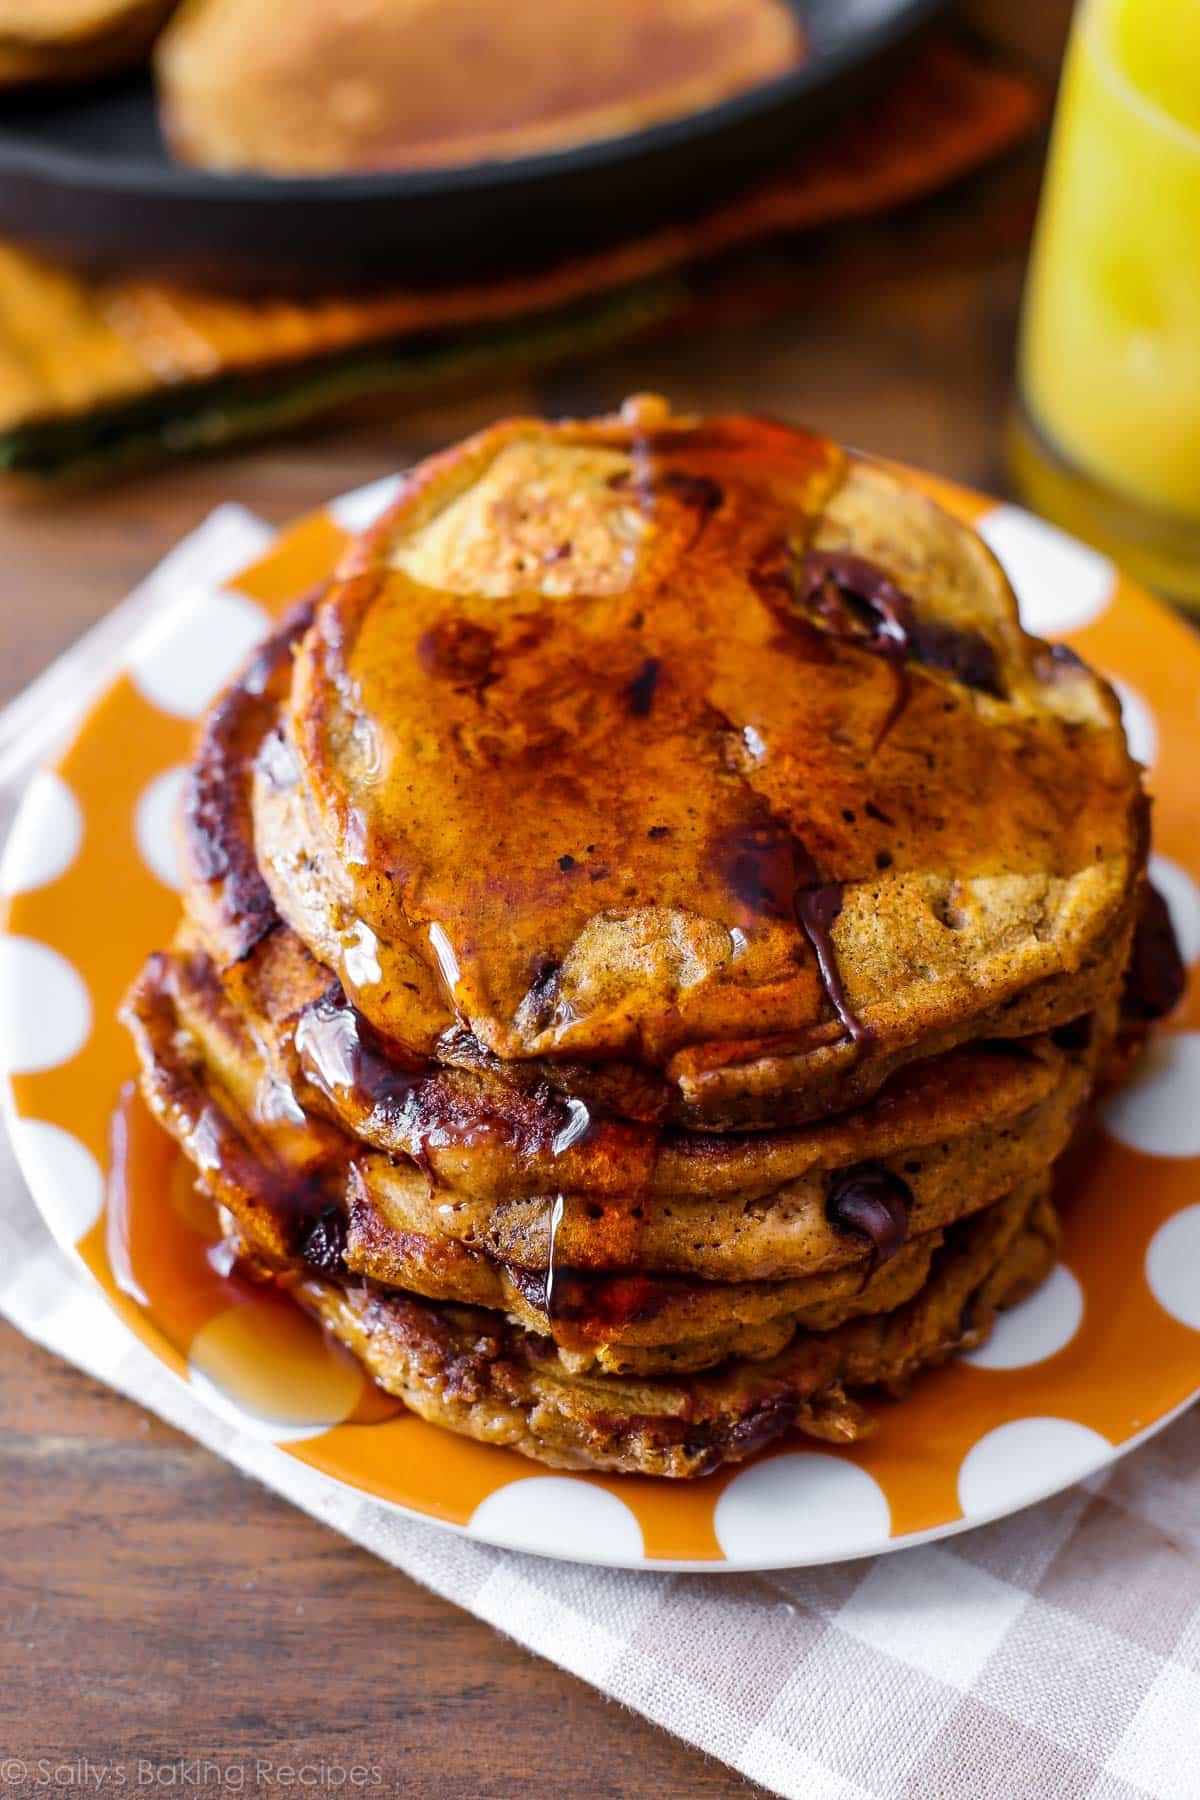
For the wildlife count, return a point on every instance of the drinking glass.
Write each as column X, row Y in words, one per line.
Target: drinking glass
column 1106, row 438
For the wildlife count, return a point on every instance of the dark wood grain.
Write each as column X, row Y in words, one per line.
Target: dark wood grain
column 158, row 1605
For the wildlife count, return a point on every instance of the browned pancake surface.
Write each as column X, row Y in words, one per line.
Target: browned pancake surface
column 698, row 750
column 395, row 84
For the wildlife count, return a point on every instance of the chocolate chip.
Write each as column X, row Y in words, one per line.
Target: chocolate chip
column 967, row 655
column 1156, row 976
column 323, row 1243
column 640, row 692
column 869, row 1201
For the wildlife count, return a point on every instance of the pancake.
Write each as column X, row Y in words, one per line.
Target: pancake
column 303, row 1192
column 958, row 1131
column 408, row 84
column 75, row 40
column 467, row 1370
column 652, row 923
column 589, row 753
column 496, row 1133
column 486, row 1152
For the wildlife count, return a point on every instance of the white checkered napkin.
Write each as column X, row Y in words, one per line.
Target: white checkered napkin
column 1056, row 1653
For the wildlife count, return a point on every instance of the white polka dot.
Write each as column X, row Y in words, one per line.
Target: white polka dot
column 1060, row 583
column 1041, row 1326
column 45, row 1011
column 1025, row 1461
column 63, row 1175
column 553, row 1515
column 360, row 508
column 273, row 1373
column 45, row 837
column 1183, row 903
column 1141, row 731
column 1173, row 1266
column 182, row 661
column 802, row 1508
column 1157, row 1111
column 255, row 1425
column 154, row 825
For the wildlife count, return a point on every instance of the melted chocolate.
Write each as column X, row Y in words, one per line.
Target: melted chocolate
column 322, row 1240
column 1075, row 1035
column 817, row 909
column 773, row 876
column 460, row 651
column 640, row 691
column 859, row 603
column 871, row 1202
column 1156, row 978
column 646, row 483
column 967, row 655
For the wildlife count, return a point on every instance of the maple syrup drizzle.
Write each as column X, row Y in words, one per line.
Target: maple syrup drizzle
column 118, row 1224
column 336, row 1051
column 773, row 876
column 584, row 1306
column 552, row 1271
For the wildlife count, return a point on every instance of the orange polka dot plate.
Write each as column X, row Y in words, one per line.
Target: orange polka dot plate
column 1106, row 1352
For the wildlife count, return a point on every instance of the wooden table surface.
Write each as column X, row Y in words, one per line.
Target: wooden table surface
column 156, row 1604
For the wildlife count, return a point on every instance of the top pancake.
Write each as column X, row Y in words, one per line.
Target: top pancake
column 703, row 748
column 405, row 84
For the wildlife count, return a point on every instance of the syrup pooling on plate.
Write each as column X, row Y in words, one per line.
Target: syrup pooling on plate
column 166, row 1253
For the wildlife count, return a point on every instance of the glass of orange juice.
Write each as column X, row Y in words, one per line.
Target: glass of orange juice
column 1107, row 435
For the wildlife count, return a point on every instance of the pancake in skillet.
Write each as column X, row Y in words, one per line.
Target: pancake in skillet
column 75, row 40
column 701, row 752
column 408, row 84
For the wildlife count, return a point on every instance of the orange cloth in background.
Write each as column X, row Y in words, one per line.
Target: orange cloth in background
column 70, row 347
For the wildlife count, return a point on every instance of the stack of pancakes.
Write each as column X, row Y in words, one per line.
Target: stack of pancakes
column 651, row 924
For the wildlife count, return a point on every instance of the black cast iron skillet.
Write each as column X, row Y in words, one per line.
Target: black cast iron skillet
column 84, row 175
